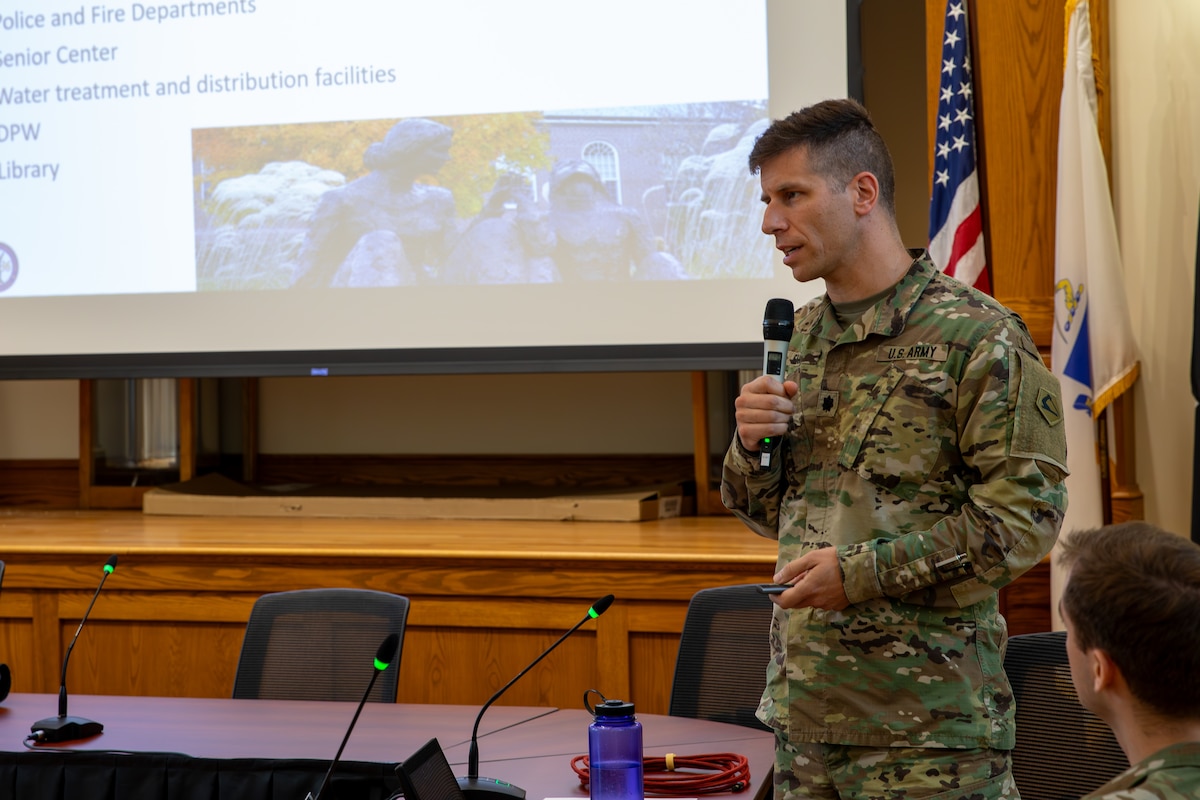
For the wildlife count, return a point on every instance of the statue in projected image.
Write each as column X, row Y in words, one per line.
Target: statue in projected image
column 384, row 229
column 598, row 240
column 510, row 241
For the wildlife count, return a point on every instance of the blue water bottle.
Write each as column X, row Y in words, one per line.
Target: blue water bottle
column 614, row 752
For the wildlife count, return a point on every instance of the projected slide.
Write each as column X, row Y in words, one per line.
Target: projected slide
column 278, row 144
column 277, row 186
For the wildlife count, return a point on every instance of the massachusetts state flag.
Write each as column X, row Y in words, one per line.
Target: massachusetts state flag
column 1092, row 352
column 955, row 222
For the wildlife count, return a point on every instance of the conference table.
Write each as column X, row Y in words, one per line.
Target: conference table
column 226, row 749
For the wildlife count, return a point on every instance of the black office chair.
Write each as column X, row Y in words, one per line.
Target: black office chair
column 320, row 644
column 721, row 668
column 1063, row 750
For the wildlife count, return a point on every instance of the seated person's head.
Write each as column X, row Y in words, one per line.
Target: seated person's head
column 1132, row 596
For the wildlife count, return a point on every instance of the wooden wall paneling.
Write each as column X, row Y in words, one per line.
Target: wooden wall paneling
column 250, row 397
column 613, row 662
column 467, row 666
column 171, row 623
column 1018, row 64
column 86, row 441
column 708, row 501
column 650, row 683
column 189, row 435
column 48, row 653
column 1128, row 501
column 17, row 647
column 49, row 483
column 1025, row 603
column 171, row 618
column 1018, row 80
column 160, row 659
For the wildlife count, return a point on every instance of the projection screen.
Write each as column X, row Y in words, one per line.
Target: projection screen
column 271, row 187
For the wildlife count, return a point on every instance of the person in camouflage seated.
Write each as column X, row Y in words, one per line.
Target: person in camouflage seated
column 921, row 469
column 1131, row 607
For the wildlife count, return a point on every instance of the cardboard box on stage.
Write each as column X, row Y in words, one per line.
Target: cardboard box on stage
column 216, row 495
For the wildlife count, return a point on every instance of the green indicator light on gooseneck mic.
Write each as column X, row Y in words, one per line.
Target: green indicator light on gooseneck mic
column 110, row 565
column 600, row 606
column 386, row 652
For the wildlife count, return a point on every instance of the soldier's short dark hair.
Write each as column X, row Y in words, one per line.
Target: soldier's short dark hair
column 841, row 141
column 1133, row 591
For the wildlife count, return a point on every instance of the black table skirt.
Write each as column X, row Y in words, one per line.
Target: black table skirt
column 46, row 775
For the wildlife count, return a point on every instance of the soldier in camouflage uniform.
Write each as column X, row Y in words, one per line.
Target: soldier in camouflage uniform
column 1131, row 607
column 921, row 469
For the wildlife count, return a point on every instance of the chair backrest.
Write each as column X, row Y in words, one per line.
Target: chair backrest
column 5, row 673
column 1063, row 750
column 320, row 644
column 721, row 668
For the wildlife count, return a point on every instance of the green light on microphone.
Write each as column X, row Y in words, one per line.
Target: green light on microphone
column 386, row 652
column 592, row 613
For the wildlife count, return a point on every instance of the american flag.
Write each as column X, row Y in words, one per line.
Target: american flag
column 955, row 222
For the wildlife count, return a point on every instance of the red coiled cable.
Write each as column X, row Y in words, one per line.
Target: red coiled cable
column 685, row 776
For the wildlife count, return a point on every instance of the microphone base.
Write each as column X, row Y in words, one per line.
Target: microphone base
column 489, row 789
column 65, row 729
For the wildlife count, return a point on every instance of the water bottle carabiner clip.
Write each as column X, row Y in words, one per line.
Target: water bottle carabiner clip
column 592, row 707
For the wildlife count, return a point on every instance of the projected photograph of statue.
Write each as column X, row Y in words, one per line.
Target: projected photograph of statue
column 384, row 229
column 511, row 240
column 596, row 239
column 568, row 196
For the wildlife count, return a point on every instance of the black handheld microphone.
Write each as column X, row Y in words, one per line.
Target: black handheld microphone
column 778, row 322
column 63, row 728
column 477, row 788
column 383, row 658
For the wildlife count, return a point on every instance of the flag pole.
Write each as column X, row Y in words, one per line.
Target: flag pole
column 980, row 145
column 1106, row 500
column 1196, row 395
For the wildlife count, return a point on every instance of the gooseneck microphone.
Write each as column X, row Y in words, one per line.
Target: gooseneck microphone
column 383, row 658
column 63, row 728
column 778, row 322
column 476, row 788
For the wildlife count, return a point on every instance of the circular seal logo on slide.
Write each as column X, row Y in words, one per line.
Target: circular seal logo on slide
column 8, row 267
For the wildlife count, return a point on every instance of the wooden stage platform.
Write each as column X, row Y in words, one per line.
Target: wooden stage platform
column 487, row 597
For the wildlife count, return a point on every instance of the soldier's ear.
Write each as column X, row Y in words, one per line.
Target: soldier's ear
column 1105, row 674
column 864, row 192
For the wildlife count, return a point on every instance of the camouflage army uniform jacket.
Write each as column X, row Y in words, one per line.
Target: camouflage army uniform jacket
column 927, row 446
column 1172, row 773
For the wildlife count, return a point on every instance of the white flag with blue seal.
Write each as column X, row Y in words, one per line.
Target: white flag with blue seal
column 1093, row 351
